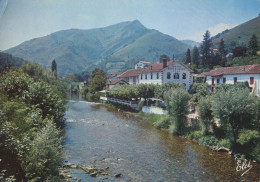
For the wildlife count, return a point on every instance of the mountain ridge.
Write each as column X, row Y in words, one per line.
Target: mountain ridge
column 239, row 35
column 76, row 50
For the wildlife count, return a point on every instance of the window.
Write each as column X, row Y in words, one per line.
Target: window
column 184, row 84
column 212, row 81
column 217, row 80
column 157, row 75
column 151, row 76
column 224, row 80
column 184, row 76
column 235, row 79
column 251, row 80
column 176, row 75
column 169, row 75
column 145, row 76
column 141, row 76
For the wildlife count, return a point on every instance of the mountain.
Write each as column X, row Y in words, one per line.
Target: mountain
column 239, row 35
column 113, row 48
column 191, row 43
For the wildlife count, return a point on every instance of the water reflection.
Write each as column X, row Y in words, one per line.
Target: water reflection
column 96, row 135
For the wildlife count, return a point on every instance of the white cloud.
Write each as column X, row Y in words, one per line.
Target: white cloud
column 198, row 36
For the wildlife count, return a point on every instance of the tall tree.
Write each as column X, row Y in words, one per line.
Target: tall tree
column 54, row 67
column 205, row 50
column 253, row 45
column 195, row 56
column 98, row 80
column 222, row 51
column 222, row 48
column 188, row 57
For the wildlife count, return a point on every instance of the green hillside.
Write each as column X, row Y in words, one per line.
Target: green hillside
column 113, row 48
column 239, row 35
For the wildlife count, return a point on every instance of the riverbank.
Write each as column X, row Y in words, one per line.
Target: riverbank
column 125, row 142
column 193, row 131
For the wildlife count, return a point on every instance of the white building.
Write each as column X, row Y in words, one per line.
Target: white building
column 160, row 73
column 131, row 76
column 165, row 72
column 141, row 64
column 232, row 75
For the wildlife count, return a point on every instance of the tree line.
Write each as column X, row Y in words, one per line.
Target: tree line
column 206, row 57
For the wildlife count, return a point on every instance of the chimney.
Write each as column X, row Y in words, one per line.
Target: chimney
column 164, row 62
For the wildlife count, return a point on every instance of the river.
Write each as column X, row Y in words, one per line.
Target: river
column 101, row 137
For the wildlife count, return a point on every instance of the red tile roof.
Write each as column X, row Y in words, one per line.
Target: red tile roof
column 110, row 76
column 155, row 67
column 130, row 73
column 247, row 69
column 113, row 82
column 159, row 67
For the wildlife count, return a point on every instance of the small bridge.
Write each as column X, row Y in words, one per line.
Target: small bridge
column 132, row 104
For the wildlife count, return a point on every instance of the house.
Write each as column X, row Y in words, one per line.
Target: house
column 113, row 76
column 160, row 73
column 131, row 76
column 113, row 83
column 141, row 64
column 165, row 72
column 232, row 75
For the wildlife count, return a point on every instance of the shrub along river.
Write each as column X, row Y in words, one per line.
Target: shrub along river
column 101, row 137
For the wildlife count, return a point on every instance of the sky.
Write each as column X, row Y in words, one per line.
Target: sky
column 22, row 20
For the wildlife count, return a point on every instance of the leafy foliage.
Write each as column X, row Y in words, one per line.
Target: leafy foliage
column 44, row 157
column 199, row 90
column 205, row 113
column 176, row 102
column 253, row 45
column 30, row 110
column 235, row 107
column 160, row 90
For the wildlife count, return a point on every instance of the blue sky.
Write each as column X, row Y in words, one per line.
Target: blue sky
column 22, row 20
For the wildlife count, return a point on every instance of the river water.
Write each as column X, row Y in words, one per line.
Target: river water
column 101, row 137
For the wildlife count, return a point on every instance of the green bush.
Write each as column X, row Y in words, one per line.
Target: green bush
column 195, row 135
column 247, row 136
column 44, row 157
column 256, row 153
column 199, row 90
column 163, row 123
column 225, row 143
column 208, row 140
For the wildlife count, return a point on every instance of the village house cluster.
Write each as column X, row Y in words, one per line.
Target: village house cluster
column 157, row 73
column 177, row 72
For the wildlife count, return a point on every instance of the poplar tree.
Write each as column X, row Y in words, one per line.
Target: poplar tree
column 195, row 56
column 253, row 45
column 222, row 48
column 54, row 67
column 188, row 57
column 205, row 49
